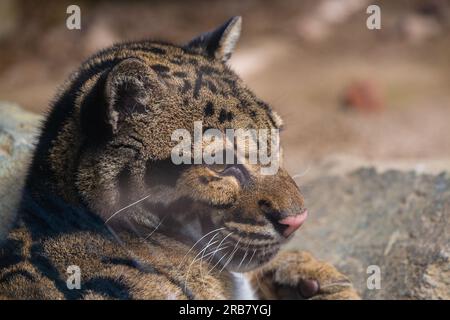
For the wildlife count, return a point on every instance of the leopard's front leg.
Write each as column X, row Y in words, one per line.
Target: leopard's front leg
column 298, row 275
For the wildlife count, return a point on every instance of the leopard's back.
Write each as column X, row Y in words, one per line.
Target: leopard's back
column 112, row 265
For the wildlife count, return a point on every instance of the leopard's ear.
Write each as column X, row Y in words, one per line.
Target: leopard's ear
column 128, row 89
column 219, row 43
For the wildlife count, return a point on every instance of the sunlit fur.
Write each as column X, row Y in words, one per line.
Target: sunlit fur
column 103, row 194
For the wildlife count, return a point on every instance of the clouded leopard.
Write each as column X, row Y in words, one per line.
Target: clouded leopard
column 102, row 193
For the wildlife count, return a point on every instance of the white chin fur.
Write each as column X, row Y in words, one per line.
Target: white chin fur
column 242, row 289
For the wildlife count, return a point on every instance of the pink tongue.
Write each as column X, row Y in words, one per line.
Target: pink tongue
column 293, row 222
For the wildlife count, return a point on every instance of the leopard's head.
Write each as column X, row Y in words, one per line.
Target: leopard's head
column 124, row 169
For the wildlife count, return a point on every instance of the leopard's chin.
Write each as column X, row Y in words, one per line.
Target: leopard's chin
column 245, row 259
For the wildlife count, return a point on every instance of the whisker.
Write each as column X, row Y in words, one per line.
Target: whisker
column 156, row 228
column 219, row 261
column 195, row 258
column 189, row 268
column 204, row 251
column 220, row 249
column 223, row 256
column 126, row 207
column 211, row 254
column 245, row 255
column 182, row 260
column 299, row 175
column 251, row 258
column 223, row 241
column 209, row 244
column 231, row 256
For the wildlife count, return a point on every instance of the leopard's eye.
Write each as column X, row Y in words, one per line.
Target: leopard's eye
column 239, row 172
column 218, row 167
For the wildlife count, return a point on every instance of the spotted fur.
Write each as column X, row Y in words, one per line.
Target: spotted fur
column 102, row 193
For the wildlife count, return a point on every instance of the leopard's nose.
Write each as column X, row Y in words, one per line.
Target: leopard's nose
column 283, row 222
column 292, row 223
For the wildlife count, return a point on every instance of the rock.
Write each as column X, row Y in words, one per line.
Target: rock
column 18, row 129
column 396, row 220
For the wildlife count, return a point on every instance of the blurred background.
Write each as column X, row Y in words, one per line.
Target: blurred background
column 343, row 90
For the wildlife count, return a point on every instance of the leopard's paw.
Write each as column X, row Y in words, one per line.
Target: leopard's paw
column 298, row 275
